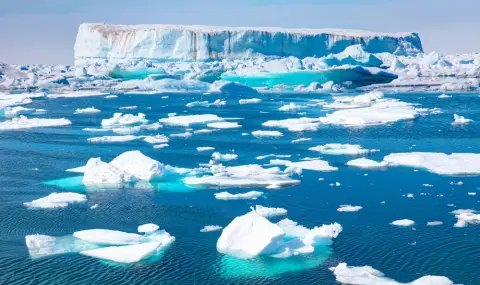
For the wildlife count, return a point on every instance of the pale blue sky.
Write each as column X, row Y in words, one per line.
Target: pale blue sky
column 43, row 31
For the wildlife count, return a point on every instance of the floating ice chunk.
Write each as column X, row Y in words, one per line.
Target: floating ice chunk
column 224, row 125
column 267, row 212
column 263, row 134
column 128, row 108
column 113, row 139
column 472, row 193
column 147, row 228
column 56, row 200
column 301, row 140
column 410, row 195
column 78, row 94
column 205, row 148
column 108, row 237
column 273, row 155
column 186, row 121
column 439, row 163
column 294, row 125
column 459, row 183
column 162, row 145
column 460, row 120
column 250, row 101
column 121, row 120
column 291, row 107
column 204, row 131
column 465, row 217
column 125, row 254
column 349, row 208
column 434, row 223
column 89, row 110
column 98, row 172
column 17, row 111
column 139, row 165
column 250, row 235
column 366, row 163
column 366, row 275
column 444, row 96
column 111, row 97
column 182, row 135
column 211, row 228
column 25, row 123
column 198, row 104
column 224, row 157
column 40, row 245
column 156, row 139
column 219, row 103
column 342, row 149
column 403, row 223
column 427, row 185
column 252, row 195
column 242, row 176
column 80, row 169
column 94, row 206
column 315, row 165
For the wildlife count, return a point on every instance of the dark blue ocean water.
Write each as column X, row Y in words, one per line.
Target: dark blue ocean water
column 29, row 158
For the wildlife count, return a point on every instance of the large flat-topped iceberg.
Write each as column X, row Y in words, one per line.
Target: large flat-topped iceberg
column 175, row 42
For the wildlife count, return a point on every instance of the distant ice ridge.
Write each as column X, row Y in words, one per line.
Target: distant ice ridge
column 252, row 235
column 103, row 41
column 366, row 275
column 103, row 244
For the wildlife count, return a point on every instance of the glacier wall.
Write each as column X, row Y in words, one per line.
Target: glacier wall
column 172, row 42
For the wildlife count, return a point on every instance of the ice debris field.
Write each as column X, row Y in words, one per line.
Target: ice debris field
column 192, row 154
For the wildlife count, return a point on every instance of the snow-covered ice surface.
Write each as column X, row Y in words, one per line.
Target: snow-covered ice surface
column 23, row 122
column 251, row 195
column 56, row 200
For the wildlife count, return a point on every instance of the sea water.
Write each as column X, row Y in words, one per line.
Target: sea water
column 33, row 164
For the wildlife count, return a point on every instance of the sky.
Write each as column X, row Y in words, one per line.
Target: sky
column 44, row 31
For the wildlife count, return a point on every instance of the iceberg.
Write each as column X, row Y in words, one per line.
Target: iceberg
column 139, row 165
column 56, row 200
column 250, row 235
column 121, row 120
column 366, row 275
column 174, row 42
column 98, row 172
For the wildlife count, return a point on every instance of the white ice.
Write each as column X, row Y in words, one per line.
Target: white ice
column 113, row 139
column 224, row 125
column 147, row 228
column 315, row 165
column 460, row 120
column 367, row 163
column 211, row 228
column 349, row 208
column 205, row 148
column 126, row 253
column 366, row 275
column 267, row 212
column 188, row 120
column 403, row 223
column 23, row 122
column 98, row 172
column 119, row 119
column 465, row 217
column 224, row 157
column 439, row 163
column 264, row 134
column 139, row 165
column 56, row 200
column 108, row 237
column 89, row 110
column 342, row 149
column 250, row 101
column 252, row 195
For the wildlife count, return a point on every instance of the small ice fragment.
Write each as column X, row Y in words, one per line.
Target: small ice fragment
column 434, row 223
column 252, row 195
column 349, row 208
column 211, row 228
column 403, row 223
column 147, row 228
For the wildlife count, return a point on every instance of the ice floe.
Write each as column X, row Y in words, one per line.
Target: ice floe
column 98, row 172
column 366, row 275
column 139, row 165
column 366, row 163
column 301, row 140
column 315, row 165
column 23, row 122
column 460, row 120
column 89, row 110
column 434, row 223
column 250, row 101
column 211, row 228
column 188, row 120
column 403, row 223
column 349, row 208
column 242, row 176
column 56, row 200
column 273, row 155
column 157, row 139
column 108, row 237
column 113, row 139
column 120, row 119
column 124, row 254
column 224, row 125
column 267, row 212
column 264, row 134
column 205, row 148
column 291, row 107
column 342, row 149
column 465, row 217
column 252, row 195
column 439, row 163
column 224, row 157
column 17, row 111
column 147, row 228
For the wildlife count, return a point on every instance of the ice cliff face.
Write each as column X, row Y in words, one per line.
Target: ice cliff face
column 171, row 42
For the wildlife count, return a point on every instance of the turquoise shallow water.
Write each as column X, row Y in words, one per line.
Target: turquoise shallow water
column 33, row 163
